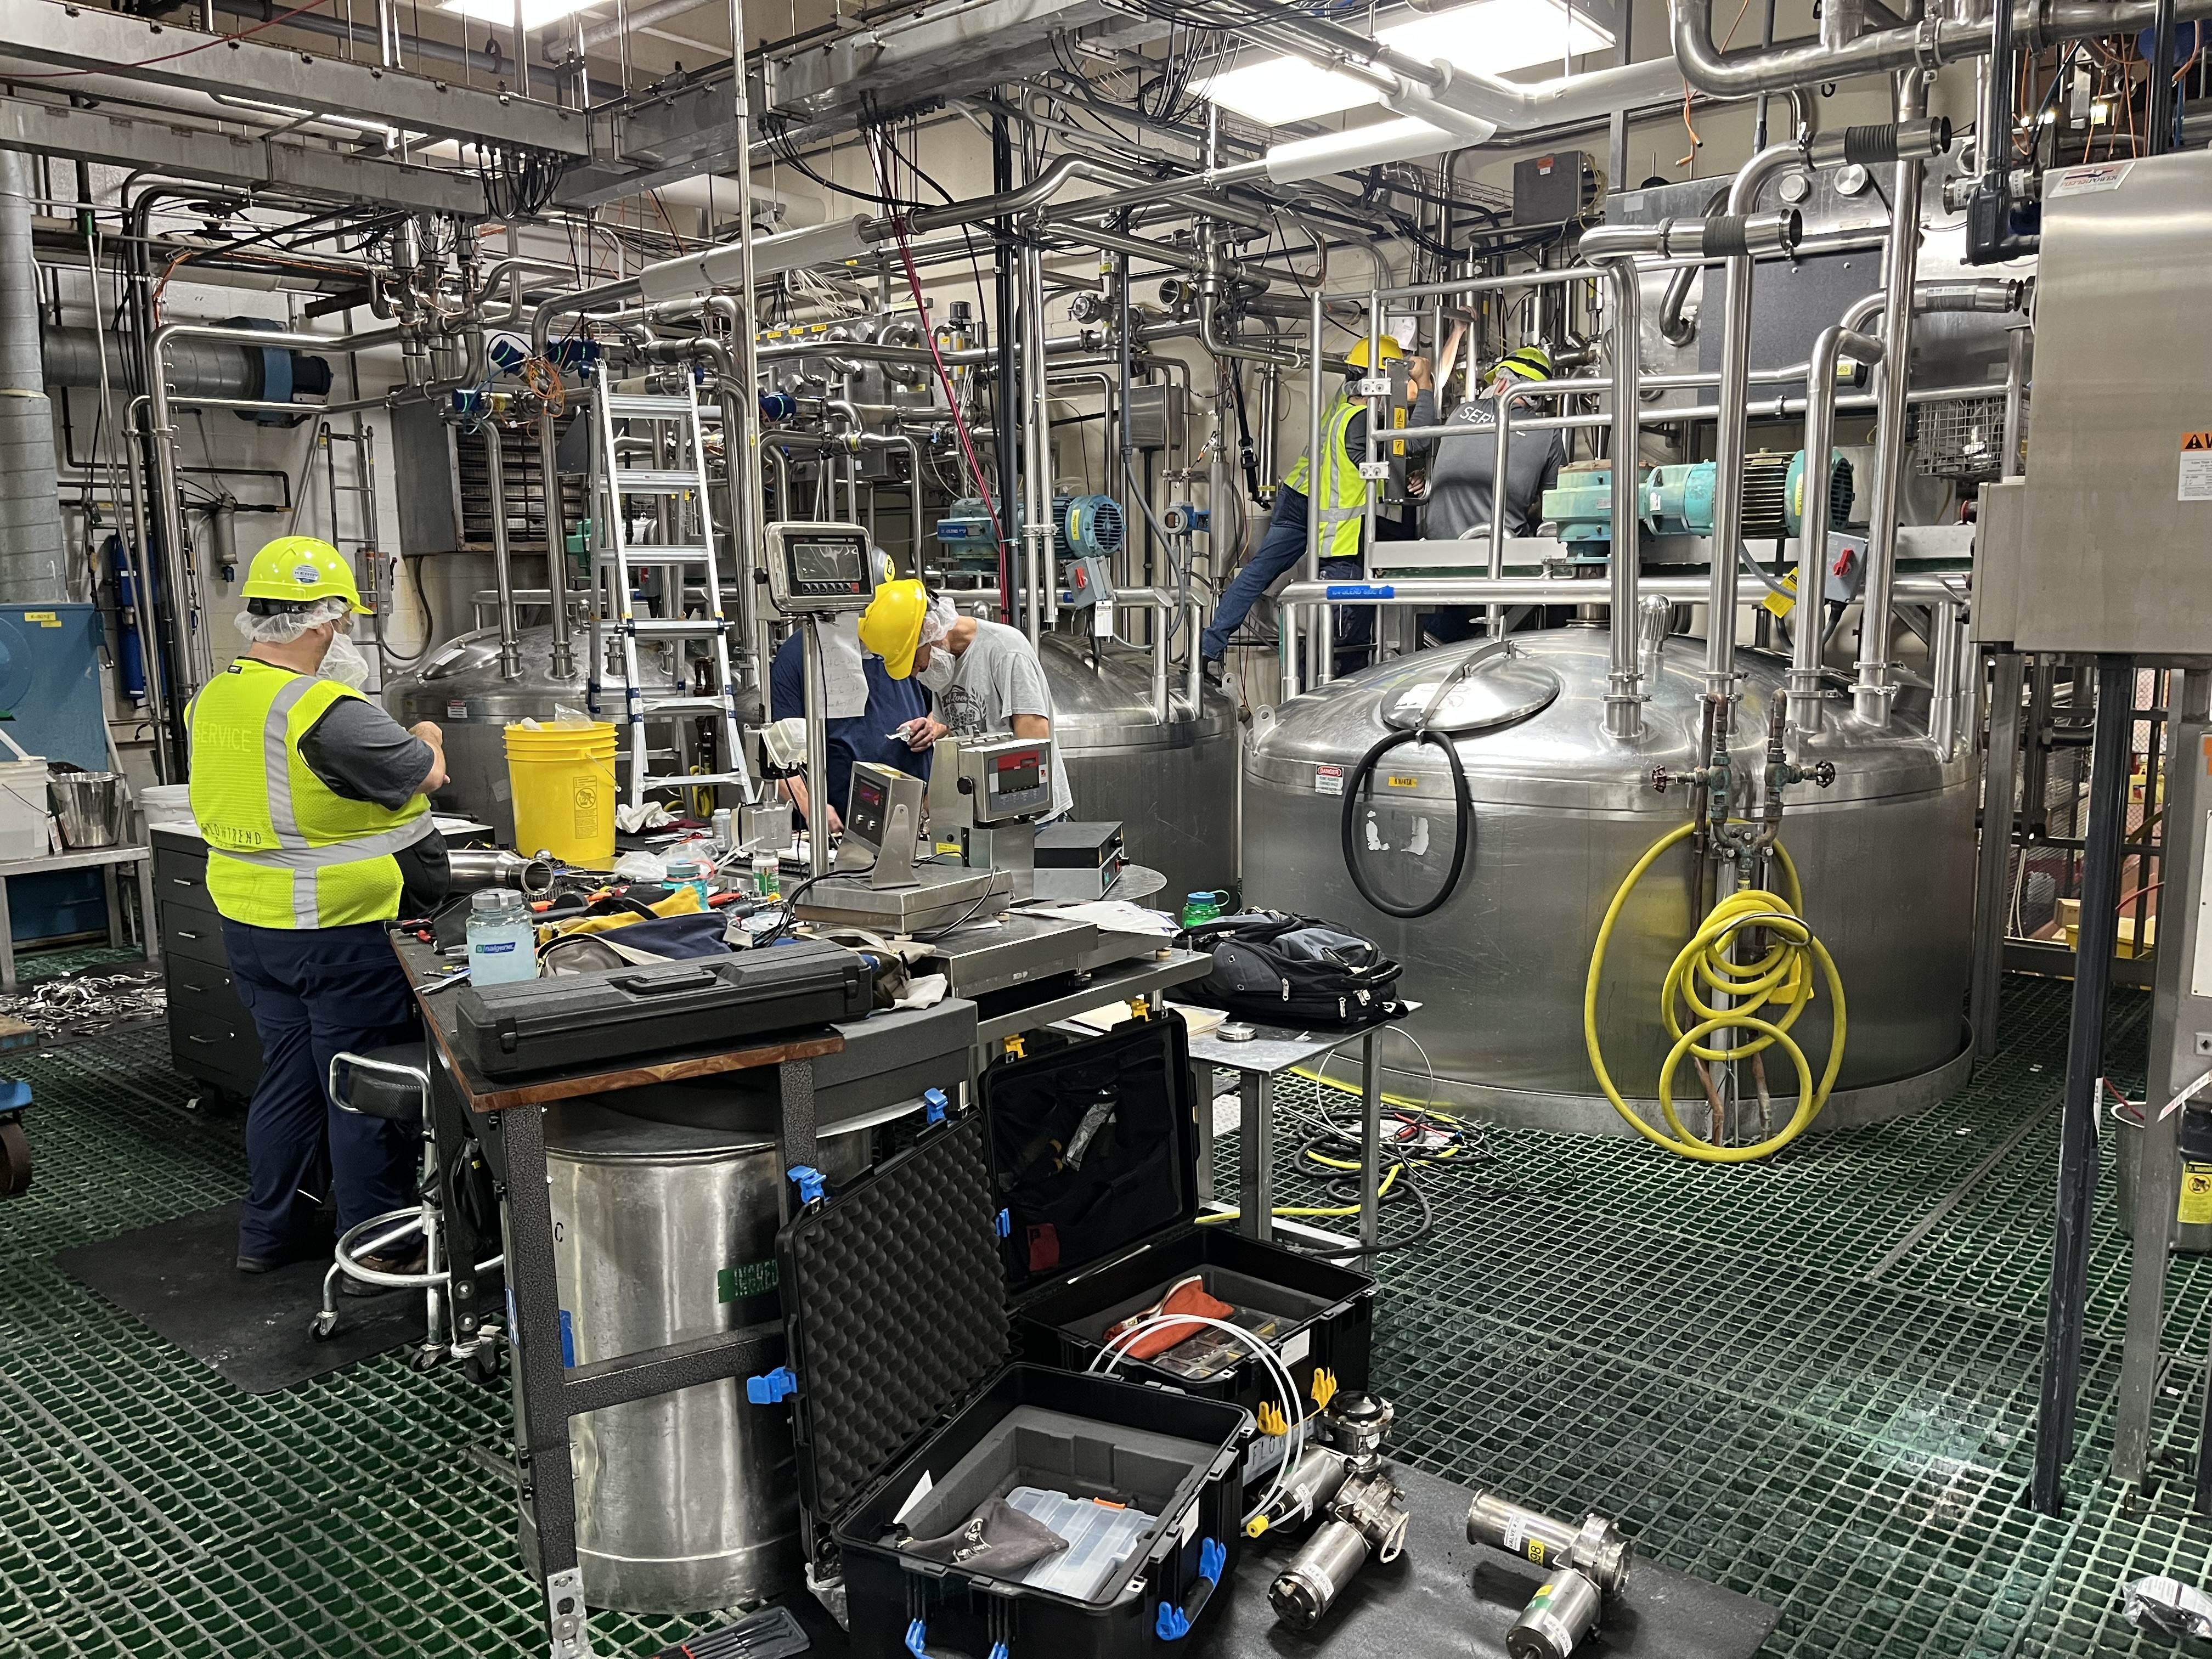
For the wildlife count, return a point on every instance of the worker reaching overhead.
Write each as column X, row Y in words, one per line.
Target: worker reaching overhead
column 1342, row 494
column 312, row 802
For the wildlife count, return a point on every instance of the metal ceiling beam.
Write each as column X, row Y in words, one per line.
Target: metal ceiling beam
column 931, row 55
column 74, row 37
column 219, row 158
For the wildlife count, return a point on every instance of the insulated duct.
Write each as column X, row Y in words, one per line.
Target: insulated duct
column 197, row 368
column 30, row 499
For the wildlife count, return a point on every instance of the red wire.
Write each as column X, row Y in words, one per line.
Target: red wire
column 183, row 52
column 944, row 379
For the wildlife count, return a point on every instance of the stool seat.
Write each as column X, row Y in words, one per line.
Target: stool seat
column 378, row 1093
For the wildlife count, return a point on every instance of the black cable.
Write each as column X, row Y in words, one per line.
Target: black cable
column 1462, row 827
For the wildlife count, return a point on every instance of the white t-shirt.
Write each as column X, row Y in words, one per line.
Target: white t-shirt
column 997, row 677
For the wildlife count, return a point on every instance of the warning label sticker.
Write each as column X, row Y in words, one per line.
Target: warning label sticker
column 2196, row 484
column 2196, row 1206
column 1329, row 780
column 1401, row 781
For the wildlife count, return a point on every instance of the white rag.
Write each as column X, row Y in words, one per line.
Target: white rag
column 844, row 682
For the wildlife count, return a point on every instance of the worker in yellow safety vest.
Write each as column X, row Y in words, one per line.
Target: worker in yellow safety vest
column 1340, row 501
column 313, row 803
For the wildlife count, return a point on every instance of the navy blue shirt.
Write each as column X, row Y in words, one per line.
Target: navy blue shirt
column 891, row 704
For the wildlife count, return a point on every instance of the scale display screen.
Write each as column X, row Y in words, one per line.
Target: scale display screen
column 865, row 808
column 814, row 567
column 1016, row 774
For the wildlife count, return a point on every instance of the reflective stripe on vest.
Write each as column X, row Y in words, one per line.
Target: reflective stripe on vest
column 284, row 850
column 1343, row 508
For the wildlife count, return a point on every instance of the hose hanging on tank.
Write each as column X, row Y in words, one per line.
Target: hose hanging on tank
column 1355, row 787
column 1781, row 977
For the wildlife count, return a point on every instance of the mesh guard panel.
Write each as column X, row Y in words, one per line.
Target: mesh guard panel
column 898, row 1300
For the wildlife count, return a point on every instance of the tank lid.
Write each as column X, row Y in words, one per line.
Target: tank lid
column 1476, row 694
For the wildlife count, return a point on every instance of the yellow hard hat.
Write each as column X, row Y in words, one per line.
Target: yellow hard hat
column 1391, row 352
column 294, row 569
column 1527, row 362
column 891, row 627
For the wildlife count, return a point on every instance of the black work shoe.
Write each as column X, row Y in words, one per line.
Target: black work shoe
column 263, row 1264
column 1209, row 668
column 348, row 1285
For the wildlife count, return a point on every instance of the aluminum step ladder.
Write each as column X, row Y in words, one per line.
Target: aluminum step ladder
column 672, row 426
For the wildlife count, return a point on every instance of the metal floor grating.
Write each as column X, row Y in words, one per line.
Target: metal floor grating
column 1783, row 1377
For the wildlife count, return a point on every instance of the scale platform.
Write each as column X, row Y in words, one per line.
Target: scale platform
column 942, row 895
column 1021, row 949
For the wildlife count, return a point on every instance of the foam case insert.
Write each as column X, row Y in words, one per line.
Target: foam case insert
column 908, row 1418
column 1089, row 1243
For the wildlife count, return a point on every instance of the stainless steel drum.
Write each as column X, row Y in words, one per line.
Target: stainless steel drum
column 1561, row 813
column 460, row 687
column 1173, row 787
column 664, row 1231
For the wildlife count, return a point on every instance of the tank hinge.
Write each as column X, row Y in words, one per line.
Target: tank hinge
column 777, row 1385
column 809, row 1181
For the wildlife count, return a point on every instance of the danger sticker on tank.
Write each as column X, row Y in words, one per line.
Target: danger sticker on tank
column 2195, row 467
column 1329, row 780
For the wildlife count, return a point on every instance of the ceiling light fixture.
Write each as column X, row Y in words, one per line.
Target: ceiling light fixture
column 1489, row 37
column 536, row 14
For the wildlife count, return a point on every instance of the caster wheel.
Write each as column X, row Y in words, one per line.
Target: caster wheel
column 324, row 1327
column 425, row 1359
column 482, row 1367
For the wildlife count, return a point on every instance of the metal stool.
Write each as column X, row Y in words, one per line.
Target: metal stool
column 394, row 1084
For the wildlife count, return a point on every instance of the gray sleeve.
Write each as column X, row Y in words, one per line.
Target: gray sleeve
column 1022, row 685
column 1423, row 414
column 363, row 754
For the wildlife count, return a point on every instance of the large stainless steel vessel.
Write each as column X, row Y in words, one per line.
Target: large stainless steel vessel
column 664, row 1230
column 1174, row 786
column 1561, row 813
column 460, row 687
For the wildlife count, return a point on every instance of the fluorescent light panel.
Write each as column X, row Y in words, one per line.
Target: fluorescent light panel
column 1491, row 37
column 536, row 14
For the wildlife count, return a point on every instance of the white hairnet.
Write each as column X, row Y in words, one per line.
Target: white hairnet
column 936, row 622
column 285, row 626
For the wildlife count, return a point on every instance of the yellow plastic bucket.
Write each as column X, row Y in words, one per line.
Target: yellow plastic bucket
column 565, row 794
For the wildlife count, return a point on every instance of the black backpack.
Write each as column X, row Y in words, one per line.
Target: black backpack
column 1283, row 969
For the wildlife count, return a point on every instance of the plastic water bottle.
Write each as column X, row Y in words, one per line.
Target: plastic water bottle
column 692, row 873
column 502, row 938
column 1202, row 907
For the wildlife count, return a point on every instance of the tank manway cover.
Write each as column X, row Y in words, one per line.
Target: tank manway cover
column 1495, row 692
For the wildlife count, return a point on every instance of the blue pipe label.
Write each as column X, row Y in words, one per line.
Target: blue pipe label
column 1361, row 591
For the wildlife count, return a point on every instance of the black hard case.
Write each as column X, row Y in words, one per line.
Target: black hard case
column 1137, row 1235
column 534, row 1024
column 894, row 1293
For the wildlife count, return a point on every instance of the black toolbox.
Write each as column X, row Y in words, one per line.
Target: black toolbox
column 575, row 1019
column 1095, row 1241
column 907, row 1417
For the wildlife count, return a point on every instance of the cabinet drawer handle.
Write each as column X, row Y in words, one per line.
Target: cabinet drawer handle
column 184, row 933
column 183, row 881
column 208, row 1042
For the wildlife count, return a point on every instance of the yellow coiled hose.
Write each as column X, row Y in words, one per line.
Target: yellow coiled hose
column 1782, row 977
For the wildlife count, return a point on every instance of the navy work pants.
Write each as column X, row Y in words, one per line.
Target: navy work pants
column 1282, row 546
column 314, row 992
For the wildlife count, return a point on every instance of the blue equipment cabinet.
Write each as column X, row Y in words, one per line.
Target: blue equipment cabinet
column 49, row 703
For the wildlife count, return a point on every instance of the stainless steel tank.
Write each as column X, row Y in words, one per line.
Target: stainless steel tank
column 460, row 686
column 1561, row 813
column 1173, row 787
column 664, row 1231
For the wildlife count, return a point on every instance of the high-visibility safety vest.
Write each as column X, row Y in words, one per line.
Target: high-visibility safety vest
column 284, row 850
column 1343, row 506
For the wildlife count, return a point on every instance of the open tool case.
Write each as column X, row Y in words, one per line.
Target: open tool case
column 1095, row 1145
column 908, row 1418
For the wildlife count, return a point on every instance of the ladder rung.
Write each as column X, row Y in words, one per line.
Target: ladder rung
column 671, row 554
column 690, row 780
column 655, row 704
column 640, row 481
column 687, row 627
column 639, row 405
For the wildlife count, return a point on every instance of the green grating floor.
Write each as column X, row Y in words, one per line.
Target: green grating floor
column 1786, row 1378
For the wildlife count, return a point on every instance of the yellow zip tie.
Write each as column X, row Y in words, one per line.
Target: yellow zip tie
column 1271, row 1418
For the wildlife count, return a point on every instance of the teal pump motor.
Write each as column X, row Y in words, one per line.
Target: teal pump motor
column 1678, row 500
